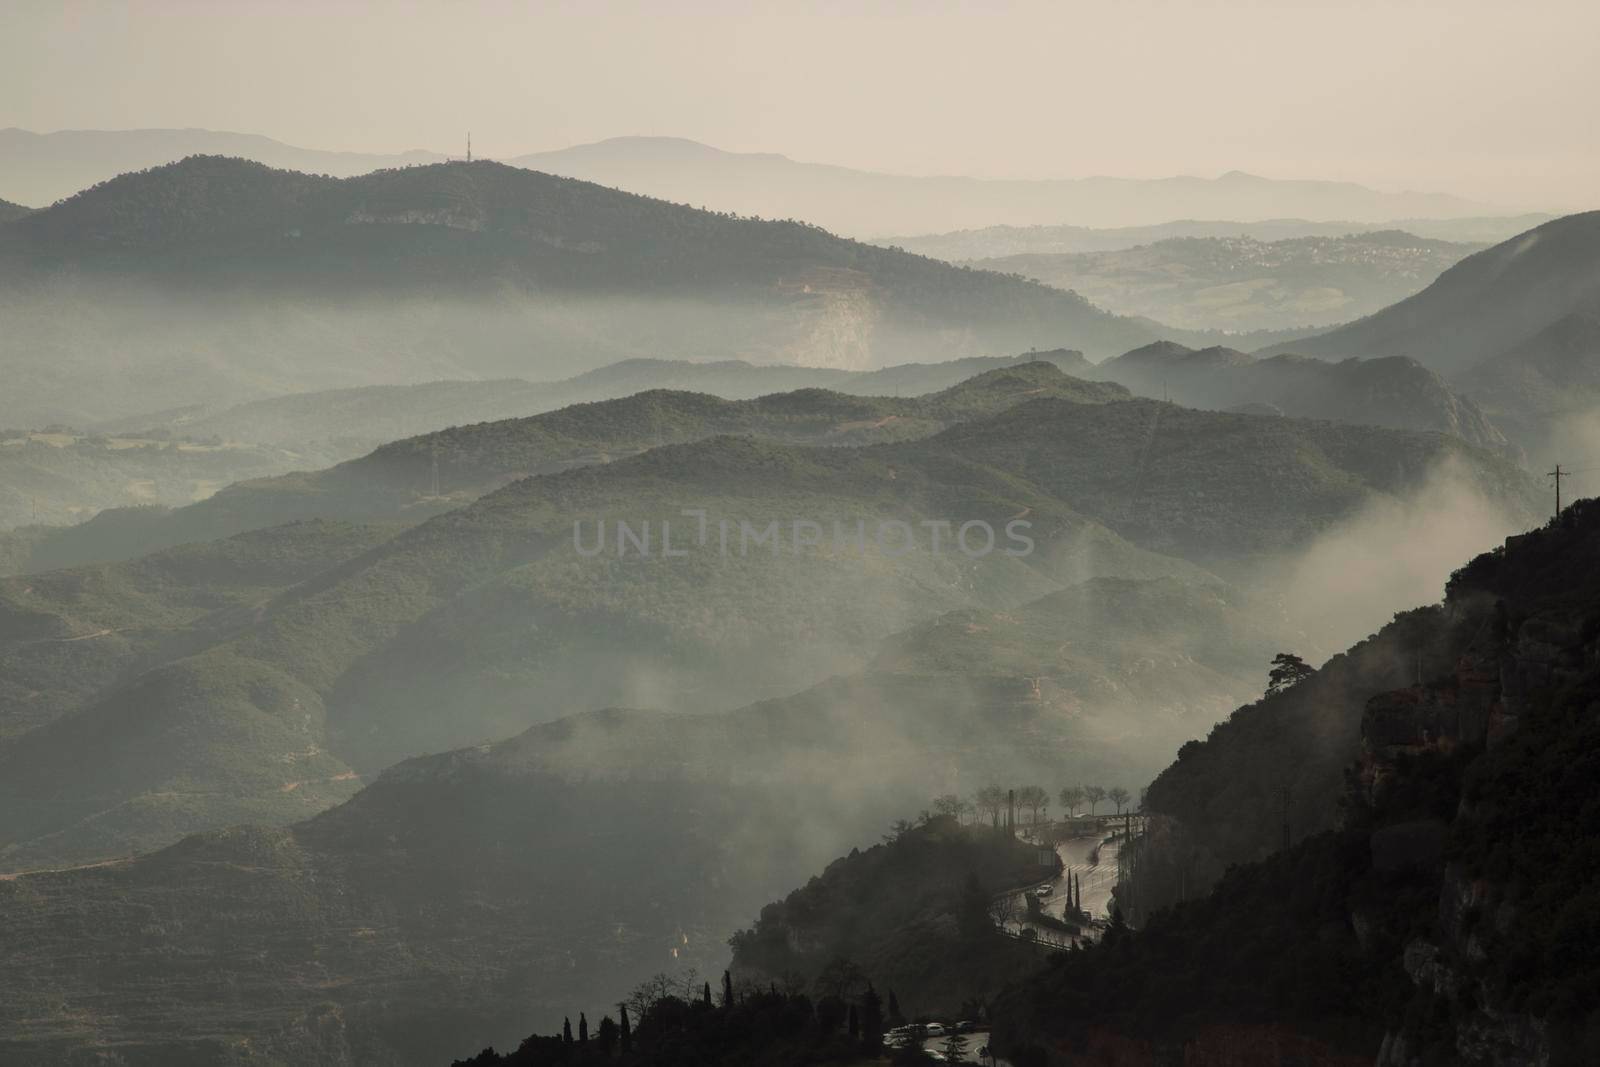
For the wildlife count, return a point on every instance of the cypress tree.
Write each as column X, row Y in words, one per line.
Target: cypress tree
column 872, row 1019
column 583, row 1029
column 566, row 1030
column 626, row 1031
column 895, row 1018
column 727, row 990
column 855, row 1024
column 706, row 994
column 1118, row 928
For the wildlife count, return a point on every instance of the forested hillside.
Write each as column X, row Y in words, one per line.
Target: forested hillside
column 218, row 280
column 407, row 481
column 478, row 607
column 342, row 424
column 647, row 838
column 1394, row 391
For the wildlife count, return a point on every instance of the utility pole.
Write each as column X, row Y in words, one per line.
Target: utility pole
column 469, row 146
column 1558, row 474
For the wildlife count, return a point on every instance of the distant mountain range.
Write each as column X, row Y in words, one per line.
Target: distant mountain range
column 344, row 423
column 1242, row 284
column 997, row 241
column 863, row 203
column 1483, row 306
column 216, row 280
column 38, row 169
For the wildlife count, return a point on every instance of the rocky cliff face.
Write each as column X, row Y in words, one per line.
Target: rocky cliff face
column 1451, row 916
column 1535, row 651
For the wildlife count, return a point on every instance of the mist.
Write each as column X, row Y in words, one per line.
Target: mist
column 1167, row 467
column 1395, row 554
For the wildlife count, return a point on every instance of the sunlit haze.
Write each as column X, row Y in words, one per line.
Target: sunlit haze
column 1480, row 98
column 799, row 535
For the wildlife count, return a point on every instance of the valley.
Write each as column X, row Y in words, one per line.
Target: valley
column 723, row 536
column 1242, row 284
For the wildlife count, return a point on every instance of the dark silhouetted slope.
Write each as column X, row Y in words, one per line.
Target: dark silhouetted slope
column 1449, row 916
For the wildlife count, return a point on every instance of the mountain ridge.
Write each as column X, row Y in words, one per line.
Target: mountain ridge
column 996, row 241
column 477, row 607
column 220, row 278
column 406, row 481
column 1483, row 305
column 1396, row 392
column 44, row 168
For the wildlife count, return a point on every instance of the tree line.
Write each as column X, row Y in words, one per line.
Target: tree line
column 680, row 1021
column 996, row 804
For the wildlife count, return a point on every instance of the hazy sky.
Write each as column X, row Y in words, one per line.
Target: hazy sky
column 1487, row 98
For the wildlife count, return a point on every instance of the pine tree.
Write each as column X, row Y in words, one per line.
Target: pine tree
column 895, row 1018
